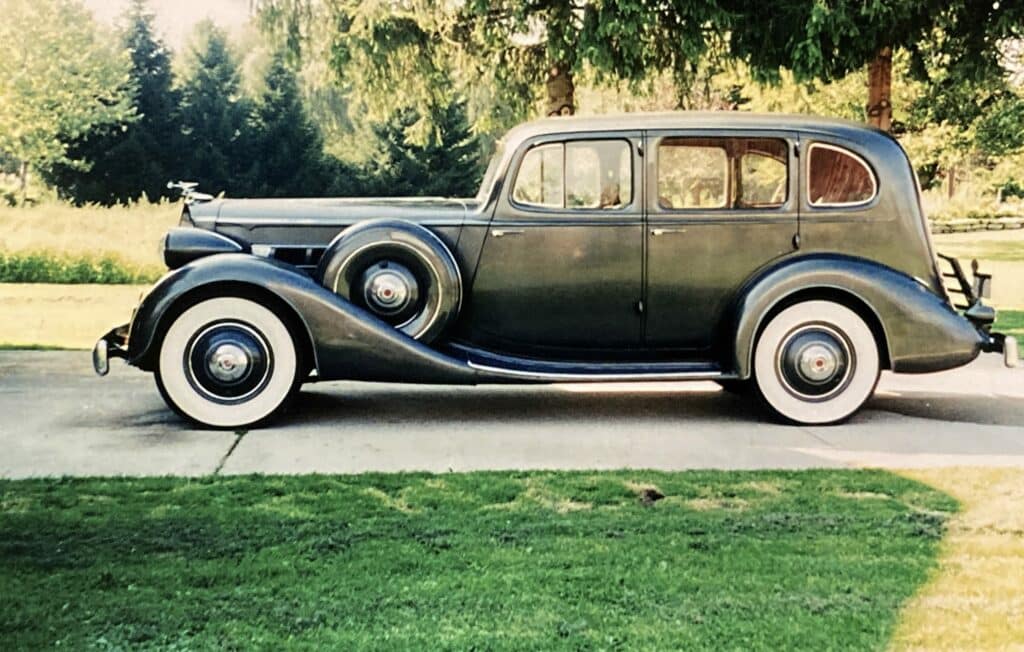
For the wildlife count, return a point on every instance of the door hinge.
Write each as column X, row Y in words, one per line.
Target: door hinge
column 640, row 150
column 796, row 241
column 640, row 307
column 796, row 150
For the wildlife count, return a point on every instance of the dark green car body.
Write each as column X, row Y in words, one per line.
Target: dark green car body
column 639, row 290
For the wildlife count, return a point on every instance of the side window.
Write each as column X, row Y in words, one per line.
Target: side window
column 692, row 173
column 576, row 175
column 540, row 178
column 763, row 175
column 710, row 173
column 837, row 177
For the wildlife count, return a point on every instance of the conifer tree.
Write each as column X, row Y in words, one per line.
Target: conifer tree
column 128, row 160
column 215, row 117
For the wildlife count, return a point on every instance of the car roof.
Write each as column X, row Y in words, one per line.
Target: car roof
column 692, row 120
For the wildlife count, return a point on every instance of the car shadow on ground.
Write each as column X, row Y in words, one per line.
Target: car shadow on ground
column 530, row 405
column 984, row 410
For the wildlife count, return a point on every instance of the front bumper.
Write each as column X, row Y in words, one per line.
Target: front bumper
column 112, row 345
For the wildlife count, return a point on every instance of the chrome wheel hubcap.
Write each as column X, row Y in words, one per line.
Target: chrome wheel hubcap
column 228, row 362
column 818, row 362
column 391, row 291
column 815, row 362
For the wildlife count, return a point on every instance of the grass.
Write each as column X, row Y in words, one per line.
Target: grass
column 975, row 601
column 998, row 246
column 65, row 269
column 544, row 560
column 63, row 316
column 1010, row 322
column 9, row 346
column 128, row 234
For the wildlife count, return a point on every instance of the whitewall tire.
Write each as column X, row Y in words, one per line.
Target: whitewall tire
column 816, row 362
column 228, row 363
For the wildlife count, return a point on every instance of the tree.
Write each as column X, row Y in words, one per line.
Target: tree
column 129, row 160
column 448, row 166
column 214, row 116
column 507, row 48
column 287, row 148
column 58, row 80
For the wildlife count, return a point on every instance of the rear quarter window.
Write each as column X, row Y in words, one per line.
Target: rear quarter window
column 838, row 177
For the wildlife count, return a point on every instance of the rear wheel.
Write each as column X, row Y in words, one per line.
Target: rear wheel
column 816, row 362
column 227, row 362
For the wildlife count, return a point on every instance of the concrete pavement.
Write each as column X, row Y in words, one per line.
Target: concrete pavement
column 57, row 418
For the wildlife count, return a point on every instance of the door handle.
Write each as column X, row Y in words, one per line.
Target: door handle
column 666, row 231
column 497, row 233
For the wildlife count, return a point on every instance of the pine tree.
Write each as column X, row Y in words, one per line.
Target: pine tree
column 287, row 148
column 449, row 165
column 131, row 159
column 214, row 116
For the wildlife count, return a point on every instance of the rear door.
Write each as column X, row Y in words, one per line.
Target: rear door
column 720, row 206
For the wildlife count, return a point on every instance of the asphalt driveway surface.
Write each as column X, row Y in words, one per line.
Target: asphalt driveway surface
column 57, row 418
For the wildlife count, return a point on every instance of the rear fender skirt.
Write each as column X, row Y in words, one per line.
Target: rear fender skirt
column 921, row 331
column 347, row 342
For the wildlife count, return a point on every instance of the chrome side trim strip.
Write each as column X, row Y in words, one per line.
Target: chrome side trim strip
column 582, row 377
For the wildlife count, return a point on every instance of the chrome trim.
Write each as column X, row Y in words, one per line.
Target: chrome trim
column 277, row 221
column 583, row 377
column 498, row 233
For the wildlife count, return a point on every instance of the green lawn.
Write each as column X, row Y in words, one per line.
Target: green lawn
column 1010, row 322
column 769, row 560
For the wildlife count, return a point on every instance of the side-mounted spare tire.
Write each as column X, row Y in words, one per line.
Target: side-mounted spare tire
column 398, row 271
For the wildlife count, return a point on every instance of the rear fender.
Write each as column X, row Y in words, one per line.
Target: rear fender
column 918, row 330
column 347, row 342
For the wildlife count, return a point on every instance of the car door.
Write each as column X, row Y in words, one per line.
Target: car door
column 560, row 268
column 720, row 206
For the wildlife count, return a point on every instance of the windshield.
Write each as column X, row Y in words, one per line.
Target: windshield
column 492, row 171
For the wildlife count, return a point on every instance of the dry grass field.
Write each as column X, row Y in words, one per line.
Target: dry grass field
column 62, row 316
column 129, row 233
column 975, row 601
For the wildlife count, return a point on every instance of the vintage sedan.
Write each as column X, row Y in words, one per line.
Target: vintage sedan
column 782, row 256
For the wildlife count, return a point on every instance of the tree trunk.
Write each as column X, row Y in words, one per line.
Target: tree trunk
column 23, row 181
column 561, row 100
column 951, row 182
column 880, row 90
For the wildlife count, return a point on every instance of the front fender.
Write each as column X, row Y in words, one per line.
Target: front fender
column 921, row 331
column 347, row 342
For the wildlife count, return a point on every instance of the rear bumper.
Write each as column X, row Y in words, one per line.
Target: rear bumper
column 1005, row 344
column 112, row 345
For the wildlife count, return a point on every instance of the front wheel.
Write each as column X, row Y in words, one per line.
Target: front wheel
column 816, row 362
column 228, row 363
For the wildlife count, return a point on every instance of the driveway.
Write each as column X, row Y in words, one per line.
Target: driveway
column 57, row 418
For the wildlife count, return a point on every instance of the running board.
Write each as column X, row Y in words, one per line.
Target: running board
column 496, row 366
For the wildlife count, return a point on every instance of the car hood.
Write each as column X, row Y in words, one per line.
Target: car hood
column 328, row 211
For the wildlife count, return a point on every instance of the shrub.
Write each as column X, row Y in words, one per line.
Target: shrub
column 45, row 267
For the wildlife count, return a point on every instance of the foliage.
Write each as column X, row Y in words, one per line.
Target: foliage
column 136, row 159
column 448, row 165
column 58, row 79
column 498, row 53
column 214, row 114
column 286, row 147
column 543, row 560
column 45, row 267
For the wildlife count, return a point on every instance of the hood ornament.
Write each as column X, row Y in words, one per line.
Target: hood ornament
column 189, row 192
